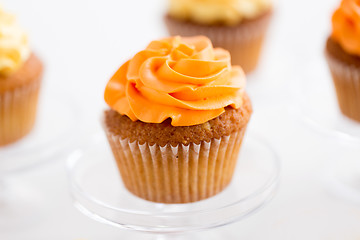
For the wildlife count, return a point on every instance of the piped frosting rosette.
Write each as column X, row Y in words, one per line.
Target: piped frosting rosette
column 14, row 47
column 346, row 26
column 184, row 79
column 228, row 12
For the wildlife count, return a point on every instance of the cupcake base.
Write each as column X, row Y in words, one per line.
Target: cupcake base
column 345, row 71
column 18, row 112
column 244, row 41
column 18, row 101
column 176, row 174
column 167, row 164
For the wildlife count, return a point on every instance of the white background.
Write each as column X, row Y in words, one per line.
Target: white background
column 83, row 42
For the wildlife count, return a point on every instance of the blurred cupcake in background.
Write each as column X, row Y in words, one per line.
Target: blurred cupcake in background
column 343, row 56
column 239, row 26
column 178, row 114
column 20, row 77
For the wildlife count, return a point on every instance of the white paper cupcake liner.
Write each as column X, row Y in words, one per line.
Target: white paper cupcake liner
column 347, row 84
column 18, row 112
column 176, row 174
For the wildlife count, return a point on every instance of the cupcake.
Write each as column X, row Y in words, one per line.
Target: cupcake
column 20, row 76
column 178, row 114
column 343, row 57
column 237, row 25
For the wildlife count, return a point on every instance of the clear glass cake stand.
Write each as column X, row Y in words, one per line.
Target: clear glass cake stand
column 98, row 192
column 316, row 106
column 57, row 118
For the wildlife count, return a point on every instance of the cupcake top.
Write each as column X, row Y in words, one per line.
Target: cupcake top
column 14, row 48
column 228, row 12
column 182, row 79
column 346, row 26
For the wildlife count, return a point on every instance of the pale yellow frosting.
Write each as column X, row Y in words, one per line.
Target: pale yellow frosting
column 229, row 12
column 14, row 47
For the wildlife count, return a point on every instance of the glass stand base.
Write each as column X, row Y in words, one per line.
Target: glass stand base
column 342, row 176
column 58, row 118
column 316, row 105
column 98, row 192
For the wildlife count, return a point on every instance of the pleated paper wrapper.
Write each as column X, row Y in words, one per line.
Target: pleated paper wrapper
column 176, row 174
column 347, row 84
column 18, row 112
column 244, row 41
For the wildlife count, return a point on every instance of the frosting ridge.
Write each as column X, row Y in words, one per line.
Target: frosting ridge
column 346, row 26
column 229, row 12
column 14, row 48
column 184, row 79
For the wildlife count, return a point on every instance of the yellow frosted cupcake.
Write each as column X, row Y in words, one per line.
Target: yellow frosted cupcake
column 178, row 114
column 20, row 76
column 236, row 25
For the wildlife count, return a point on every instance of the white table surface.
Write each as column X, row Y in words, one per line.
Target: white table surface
column 83, row 42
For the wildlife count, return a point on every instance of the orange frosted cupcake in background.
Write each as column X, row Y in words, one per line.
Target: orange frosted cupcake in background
column 20, row 76
column 237, row 25
column 343, row 56
column 178, row 114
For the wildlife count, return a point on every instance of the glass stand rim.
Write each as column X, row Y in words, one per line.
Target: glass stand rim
column 321, row 115
column 316, row 107
column 170, row 221
column 39, row 146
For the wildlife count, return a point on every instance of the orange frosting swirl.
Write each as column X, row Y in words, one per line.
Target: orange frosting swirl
column 346, row 26
column 184, row 79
